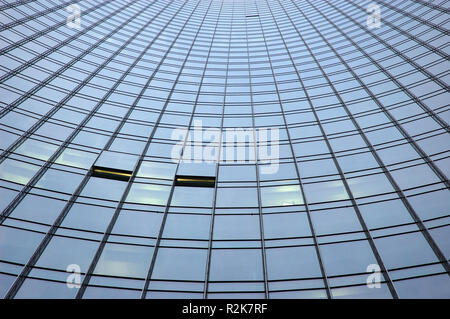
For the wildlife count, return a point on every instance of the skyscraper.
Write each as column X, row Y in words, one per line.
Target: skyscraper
column 224, row 149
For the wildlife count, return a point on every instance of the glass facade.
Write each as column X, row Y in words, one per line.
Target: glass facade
column 351, row 201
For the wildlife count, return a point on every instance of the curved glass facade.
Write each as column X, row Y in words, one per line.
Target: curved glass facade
column 123, row 123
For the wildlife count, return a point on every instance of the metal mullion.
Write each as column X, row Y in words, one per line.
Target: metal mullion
column 53, row 28
column 20, row 278
column 308, row 212
column 39, row 250
column 255, row 147
column 418, row 19
column 5, row 213
column 107, row 232
column 14, row 4
column 65, row 67
column 35, row 12
column 433, row 6
column 132, row 108
column 37, row 15
column 418, row 149
column 414, row 38
column 35, row 30
column 213, row 211
column 422, row 227
column 59, row 105
column 159, row 238
column 352, row 199
column 422, row 105
column 426, row 109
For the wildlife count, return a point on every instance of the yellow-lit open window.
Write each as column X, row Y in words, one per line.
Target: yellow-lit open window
column 111, row 173
column 195, row 181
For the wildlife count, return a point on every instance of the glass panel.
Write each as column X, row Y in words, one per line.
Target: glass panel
column 405, row 250
column 333, row 221
column 138, row 223
column 157, row 170
column 39, row 209
column 432, row 287
column 281, row 195
column 62, row 252
column 197, row 169
column 110, row 293
column 187, row 226
column 236, row 264
column 325, row 191
column 384, row 214
column 304, row 294
column 17, row 172
column 18, row 245
column 237, row 197
column 124, row 260
column 237, row 173
column 5, row 283
column 292, row 262
column 180, row 264
column 36, row 149
column 192, row 196
column 236, row 227
column 76, row 158
column 148, row 194
column 88, row 217
column 61, row 181
column 43, row 289
column 101, row 188
column 115, row 160
column 347, row 258
column 286, row 225
column 362, row 292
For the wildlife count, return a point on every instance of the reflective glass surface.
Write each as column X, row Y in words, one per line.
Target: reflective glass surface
column 323, row 129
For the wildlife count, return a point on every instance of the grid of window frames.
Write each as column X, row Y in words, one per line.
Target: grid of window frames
column 364, row 152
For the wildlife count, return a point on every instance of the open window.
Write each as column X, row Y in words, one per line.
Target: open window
column 111, row 173
column 195, row 181
column 196, row 175
column 113, row 165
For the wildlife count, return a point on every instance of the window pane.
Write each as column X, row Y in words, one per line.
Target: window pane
column 187, row 226
column 180, row 264
column 286, row 225
column 236, row 227
column 124, row 260
column 138, row 223
column 157, row 170
column 236, row 264
column 192, row 196
column 281, row 195
column 347, row 258
column 295, row 262
column 325, row 191
column 338, row 220
column 62, row 252
column 237, row 197
column 433, row 287
column 148, row 194
column 405, row 250
column 18, row 245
